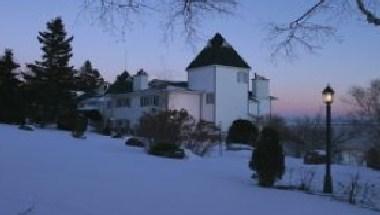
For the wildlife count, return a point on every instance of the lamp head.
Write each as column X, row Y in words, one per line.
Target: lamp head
column 328, row 95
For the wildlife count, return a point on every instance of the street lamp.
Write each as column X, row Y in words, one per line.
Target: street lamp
column 328, row 98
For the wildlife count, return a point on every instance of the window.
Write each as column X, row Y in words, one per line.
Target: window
column 143, row 101
column 210, row 98
column 123, row 102
column 242, row 77
column 156, row 100
column 149, row 101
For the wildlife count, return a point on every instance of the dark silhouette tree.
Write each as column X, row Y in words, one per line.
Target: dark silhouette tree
column 122, row 84
column 50, row 81
column 89, row 79
column 10, row 90
column 268, row 160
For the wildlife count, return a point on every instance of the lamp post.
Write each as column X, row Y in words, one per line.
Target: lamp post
column 328, row 98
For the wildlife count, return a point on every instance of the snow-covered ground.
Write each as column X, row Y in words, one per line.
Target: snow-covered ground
column 49, row 172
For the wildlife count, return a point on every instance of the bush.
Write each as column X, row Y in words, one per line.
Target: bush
column 251, row 163
column 269, row 158
column 106, row 131
column 67, row 120
column 242, row 131
column 26, row 127
column 204, row 137
column 170, row 126
column 133, row 141
column 80, row 126
column 116, row 134
column 167, row 150
column 373, row 159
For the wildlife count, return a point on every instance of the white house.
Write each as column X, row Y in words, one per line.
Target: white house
column 217, row 90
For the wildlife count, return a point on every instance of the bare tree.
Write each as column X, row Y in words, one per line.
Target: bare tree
column 365, row 103
column 306, row 134
column 309, row 133
column 308, row 31
column 186, row 14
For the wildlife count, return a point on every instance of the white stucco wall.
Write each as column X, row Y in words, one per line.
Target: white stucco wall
column 203, row 79
column 231, row 97
column 134, row 112
column 264, row 107
column 185, row 100
column 207, row 110
column 253, row 107
column 140, row 82
column 260, row 88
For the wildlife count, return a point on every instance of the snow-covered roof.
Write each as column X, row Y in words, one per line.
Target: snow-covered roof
column 164, row 84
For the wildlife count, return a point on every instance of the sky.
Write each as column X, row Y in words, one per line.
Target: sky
column 350, row 59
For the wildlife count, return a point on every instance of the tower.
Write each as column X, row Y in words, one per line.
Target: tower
column 222, row 74
column 140, row 80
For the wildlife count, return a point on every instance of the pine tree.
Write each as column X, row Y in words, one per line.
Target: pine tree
column 89, row 78
column 51, row 79
column 10, row 94
column 268, row 159
column 122, row 84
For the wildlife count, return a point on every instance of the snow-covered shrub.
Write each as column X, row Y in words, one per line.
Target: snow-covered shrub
column 133, row 141
column 204, row 137
column 167, row 150
column 306, row 178
column 352, row 190
column 106, row 130
column 357, row 192
column 26, row 127
column 269, row 160
column 80, row 126
column 171, row 126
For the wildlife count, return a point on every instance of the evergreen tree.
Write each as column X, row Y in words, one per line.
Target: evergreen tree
column 51, row 79
column 242, row 131
column 268, row 160
column 122, row 84
column 10, row 94
column 89, row 78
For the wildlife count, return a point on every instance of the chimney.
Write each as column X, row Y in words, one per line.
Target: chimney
column 260, row 87
column 140, row 80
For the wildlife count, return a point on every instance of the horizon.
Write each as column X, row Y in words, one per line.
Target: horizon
column 297, row 83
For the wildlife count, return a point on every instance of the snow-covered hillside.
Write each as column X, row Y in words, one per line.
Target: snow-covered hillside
column 49, row 172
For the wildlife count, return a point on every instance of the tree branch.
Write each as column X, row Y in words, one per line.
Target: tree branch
column 300, row 32
column 371, row 17
column 190, row 13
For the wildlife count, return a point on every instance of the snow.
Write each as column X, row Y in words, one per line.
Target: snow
column 49, row 172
